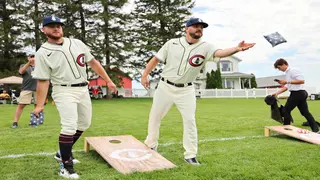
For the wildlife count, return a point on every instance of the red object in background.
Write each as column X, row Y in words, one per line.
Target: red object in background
column 95, row 91
column 127, row 82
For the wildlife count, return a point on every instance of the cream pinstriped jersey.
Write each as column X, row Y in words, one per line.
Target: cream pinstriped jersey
column 183, row 61
column 62, row 64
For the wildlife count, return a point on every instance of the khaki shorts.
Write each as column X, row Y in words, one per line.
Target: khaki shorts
column 26, row 97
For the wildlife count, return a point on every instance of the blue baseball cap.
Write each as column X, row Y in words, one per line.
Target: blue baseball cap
column 50, row 20
column 193, row 21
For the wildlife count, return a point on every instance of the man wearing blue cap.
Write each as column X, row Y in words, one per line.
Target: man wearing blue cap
column 63, row 61
column 183, row 58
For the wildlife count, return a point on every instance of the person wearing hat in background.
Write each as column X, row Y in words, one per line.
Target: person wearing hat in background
column 63, row 61
column 28, row 88
column 183, row 58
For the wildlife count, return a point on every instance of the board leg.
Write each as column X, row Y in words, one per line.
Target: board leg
column 266, row 131
column 86, row 146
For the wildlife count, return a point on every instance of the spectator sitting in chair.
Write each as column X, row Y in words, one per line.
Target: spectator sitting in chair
column 4, row 95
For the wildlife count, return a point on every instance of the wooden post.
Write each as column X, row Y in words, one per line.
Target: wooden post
column 86, row 145
column 266, row 131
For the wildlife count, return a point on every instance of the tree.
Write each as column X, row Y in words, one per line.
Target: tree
column 218, row 79
column 210, row 81
column 155, row 22
column 9, row 31
column 253, row 81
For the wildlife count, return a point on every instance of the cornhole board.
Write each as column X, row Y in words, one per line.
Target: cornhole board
column 292, row 131
column 127, row 154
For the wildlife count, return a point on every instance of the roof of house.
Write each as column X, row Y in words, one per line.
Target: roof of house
column 236, row 74
column 269, row 81
column 236, row 58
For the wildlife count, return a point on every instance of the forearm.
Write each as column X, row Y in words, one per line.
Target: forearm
column 23, row 69
column 284, row 89
column 150, row 66
column 226, row 52
column 96, row 66
column 42, row 90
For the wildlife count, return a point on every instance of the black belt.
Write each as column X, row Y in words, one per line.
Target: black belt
column 75, row 85
column 176, row 85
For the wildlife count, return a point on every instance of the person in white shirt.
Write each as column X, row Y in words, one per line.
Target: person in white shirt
column 294, row 82
column 183, row 58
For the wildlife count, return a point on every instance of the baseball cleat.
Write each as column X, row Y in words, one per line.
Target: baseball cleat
column 58, row 158
column 192, row 161
column 67, row 171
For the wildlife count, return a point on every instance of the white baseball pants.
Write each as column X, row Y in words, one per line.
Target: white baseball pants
column 74, row 106
column 185, row 100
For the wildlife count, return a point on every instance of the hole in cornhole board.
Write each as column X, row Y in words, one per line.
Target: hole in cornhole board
column 293, row 131
column 127, row 154
column 114, row 141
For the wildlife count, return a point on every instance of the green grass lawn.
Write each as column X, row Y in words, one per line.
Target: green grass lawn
column 232, row 145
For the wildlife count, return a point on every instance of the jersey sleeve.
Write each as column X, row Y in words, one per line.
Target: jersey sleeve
column 42, row 70
column 163, row 52
column 87, row 51
column 211, row 51
column 21, row 67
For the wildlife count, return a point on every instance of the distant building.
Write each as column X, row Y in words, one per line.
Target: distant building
column 268, row 82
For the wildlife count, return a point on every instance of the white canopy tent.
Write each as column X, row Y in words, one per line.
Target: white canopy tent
column 11, row 80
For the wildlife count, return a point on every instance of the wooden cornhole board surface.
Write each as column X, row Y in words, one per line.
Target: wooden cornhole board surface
column 292, row 131
column 127, row 154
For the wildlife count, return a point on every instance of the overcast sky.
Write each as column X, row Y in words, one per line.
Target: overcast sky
column 298, row 21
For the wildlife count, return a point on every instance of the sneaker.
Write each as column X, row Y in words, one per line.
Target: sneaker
column 192, row 161
column 58, row 158
column 305, row 123
column 14, row 125
column 66, row 170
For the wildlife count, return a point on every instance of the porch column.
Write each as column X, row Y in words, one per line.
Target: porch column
column 250, row 83
column 225, row 83
column 240, row 83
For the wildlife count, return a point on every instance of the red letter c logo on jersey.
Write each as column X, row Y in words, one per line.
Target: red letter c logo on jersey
column 80, row 60
column 196, row 60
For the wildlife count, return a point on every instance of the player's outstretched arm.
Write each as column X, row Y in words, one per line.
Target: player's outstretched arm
column 96, row 66
column 42, row 90
column 242, row 46
column 150, row 66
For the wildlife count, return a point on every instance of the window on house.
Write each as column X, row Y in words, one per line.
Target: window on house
column 226, row 66
column 229, row 84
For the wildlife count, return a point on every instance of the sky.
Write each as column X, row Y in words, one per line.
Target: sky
column 231, row 21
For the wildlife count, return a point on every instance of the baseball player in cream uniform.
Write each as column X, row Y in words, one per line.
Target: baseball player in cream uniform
column 183, row 57
column 63, row 61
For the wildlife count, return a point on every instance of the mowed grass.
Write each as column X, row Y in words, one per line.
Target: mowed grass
column 231, row 142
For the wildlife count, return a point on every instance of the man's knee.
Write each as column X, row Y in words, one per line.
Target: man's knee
column 84, row 126
column 68, row 130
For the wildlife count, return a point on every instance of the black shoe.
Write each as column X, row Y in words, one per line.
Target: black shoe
column 67, row 170
column 192, row 161
column 14, row 125
column 58, row 158
column 305, row 123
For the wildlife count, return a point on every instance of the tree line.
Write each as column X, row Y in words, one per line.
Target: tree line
column 124, row 40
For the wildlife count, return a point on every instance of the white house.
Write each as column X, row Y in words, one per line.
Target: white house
column 231, row 77
column 229, row 67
